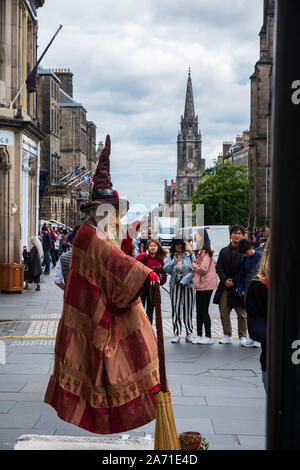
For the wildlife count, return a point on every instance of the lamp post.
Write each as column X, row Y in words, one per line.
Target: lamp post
column 283, row 410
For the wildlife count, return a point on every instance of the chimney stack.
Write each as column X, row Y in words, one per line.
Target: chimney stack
column 66, row 78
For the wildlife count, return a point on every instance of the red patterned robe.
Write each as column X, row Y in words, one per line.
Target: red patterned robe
column 106, row 364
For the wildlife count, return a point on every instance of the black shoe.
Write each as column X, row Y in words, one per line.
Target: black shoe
column 46, row 272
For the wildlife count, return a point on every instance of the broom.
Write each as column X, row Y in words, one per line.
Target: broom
column 166, row 437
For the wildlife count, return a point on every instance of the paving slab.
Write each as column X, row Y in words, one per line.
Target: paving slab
column 6, row 406
column 216, row 412
column 239, row 426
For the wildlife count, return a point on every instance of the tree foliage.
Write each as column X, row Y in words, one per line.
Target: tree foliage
column 224, row 191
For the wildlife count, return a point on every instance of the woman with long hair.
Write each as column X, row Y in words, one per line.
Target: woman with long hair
column 205, row 282
column 256, row 302
column 179, row 266
column 33, row 263
column 153, row 258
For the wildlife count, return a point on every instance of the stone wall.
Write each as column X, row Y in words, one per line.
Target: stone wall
column 260, row 159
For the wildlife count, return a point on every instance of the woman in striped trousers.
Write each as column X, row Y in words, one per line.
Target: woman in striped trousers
column 179, row 266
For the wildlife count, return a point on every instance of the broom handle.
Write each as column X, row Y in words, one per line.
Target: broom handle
column 160, row 338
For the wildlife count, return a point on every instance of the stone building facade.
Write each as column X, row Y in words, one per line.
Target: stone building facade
column 70, row 142
column 78, row 137
column 260, row 126
column 20, row 135
column 56, row 201
column 240, row 156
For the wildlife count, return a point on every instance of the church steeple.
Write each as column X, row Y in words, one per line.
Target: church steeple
column 189, row 110
column 190, row 164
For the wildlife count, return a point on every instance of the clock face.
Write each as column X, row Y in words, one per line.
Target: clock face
column 190, row 165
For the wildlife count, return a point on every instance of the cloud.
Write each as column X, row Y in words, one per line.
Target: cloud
column 130, row 66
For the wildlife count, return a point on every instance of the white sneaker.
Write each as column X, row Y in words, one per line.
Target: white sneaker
column 189, row 339
column 226, row 339
column 206, row 340
column 175, row 339
column 197, row 340
column 257, row 344
column 247, row 342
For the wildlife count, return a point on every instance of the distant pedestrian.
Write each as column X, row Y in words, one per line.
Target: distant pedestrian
column 54, row 250
column 228, row 267
column 256, row 302
column 263, row 239
column 205, row 282
column 63, row 244
column 46, row 244
column 32, row 261
column 63, row 265
column 153, row 258
column 179, row 266
column 248, row 271
column 251, row 258
column 146, row 236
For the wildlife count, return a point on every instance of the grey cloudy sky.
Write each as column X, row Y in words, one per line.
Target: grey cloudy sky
column 130, row 61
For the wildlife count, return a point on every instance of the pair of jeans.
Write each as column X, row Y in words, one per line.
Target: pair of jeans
column 148, row 305
column 202, row 307
column 53, row 257
column 46, row 261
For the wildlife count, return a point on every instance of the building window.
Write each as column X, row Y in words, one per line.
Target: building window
column 190, row 152
column 190, row 189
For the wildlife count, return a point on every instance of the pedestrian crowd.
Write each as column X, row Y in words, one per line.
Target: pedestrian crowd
column 47, row 248
column 239, row 277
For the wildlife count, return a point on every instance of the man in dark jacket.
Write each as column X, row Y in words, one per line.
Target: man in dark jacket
column 228, row 267
column 46, row 243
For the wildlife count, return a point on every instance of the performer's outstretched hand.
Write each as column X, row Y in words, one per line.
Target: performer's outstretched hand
column 153, row 277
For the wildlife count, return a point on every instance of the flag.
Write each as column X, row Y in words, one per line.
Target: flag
column 74, row 171
column 80, row 175
column 31, row 81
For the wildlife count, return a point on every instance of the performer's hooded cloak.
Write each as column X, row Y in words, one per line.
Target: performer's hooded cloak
column 106, row 364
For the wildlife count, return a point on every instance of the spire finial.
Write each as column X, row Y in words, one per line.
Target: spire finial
column 189, row 111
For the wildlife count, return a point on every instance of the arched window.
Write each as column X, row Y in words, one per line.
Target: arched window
column 190, row 152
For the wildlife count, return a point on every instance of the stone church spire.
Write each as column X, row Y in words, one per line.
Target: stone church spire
column 190, row 164
column 189, row 110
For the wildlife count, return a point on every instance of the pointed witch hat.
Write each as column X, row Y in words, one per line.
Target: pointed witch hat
column 103, row 192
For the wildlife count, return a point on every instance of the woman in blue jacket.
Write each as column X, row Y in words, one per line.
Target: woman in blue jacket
column 179, row 266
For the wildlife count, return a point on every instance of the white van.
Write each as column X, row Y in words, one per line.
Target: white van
column 218, row 234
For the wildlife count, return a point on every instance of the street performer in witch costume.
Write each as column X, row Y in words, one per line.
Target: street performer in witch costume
column 106, row 371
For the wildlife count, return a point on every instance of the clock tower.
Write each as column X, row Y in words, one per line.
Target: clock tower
column 190, row 165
